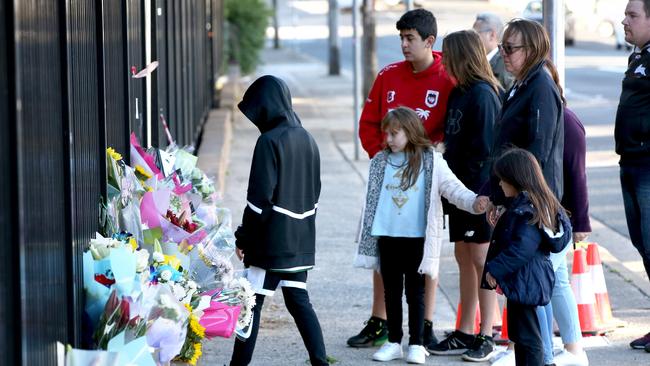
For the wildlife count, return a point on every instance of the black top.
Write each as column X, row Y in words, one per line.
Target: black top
column 469, row 127
column 532, row 119
column 632, row 131
column 278, row 227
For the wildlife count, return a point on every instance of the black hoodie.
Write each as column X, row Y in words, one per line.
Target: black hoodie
column 278, row 228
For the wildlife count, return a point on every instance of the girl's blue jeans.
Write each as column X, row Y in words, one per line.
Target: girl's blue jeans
column 562, row 306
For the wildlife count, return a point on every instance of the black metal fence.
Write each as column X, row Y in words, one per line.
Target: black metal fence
column 66, row 93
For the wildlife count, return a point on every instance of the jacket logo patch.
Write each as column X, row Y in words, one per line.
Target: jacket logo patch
column 640, row 70
column 390, row 96
column 422, row 113
column 453, row 121
column 431, row 99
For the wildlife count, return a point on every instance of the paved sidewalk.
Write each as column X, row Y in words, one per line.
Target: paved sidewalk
column 341, row 294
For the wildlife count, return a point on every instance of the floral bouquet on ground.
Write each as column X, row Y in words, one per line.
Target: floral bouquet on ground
column 192, row 348
column 160, row 279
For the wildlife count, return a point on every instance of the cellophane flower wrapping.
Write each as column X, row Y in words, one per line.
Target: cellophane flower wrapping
column 192, row 348
column 163, row 263
column 167, row 325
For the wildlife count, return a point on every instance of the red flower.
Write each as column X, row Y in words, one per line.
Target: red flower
column 124, row 314
column 112, row 302
column 104, row 280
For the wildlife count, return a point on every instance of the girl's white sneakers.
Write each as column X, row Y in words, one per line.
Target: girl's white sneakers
column 388, row 351
column 416, row 354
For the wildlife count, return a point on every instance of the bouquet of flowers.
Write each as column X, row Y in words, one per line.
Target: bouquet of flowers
column 160, row 276
column 192, row 348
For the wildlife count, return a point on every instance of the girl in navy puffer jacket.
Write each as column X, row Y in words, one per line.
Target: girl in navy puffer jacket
column 533, row 225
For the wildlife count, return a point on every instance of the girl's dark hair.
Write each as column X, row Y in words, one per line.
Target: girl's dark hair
column 520, row 169
column 417, row 141
column 537, row 46
column 464, row 59
column 421, row 20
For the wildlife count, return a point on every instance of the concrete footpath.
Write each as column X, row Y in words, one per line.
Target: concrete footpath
column 341, row 294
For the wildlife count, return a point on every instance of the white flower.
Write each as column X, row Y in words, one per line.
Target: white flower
column 142, row 260
column 191, row 285
column 158, row 257
column 166, row 275
column 178, row 291
column 246, row 297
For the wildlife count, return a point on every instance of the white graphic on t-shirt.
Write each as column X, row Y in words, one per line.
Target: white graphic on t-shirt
column 422, row 113
column 431, row 99
column 399, row 197
column 390, row 96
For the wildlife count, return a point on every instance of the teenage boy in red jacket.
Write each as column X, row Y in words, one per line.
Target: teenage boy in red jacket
column 420, row 83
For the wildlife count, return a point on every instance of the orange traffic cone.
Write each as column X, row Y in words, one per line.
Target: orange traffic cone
column 583, row 292
column 603, row 308
column 477, row 318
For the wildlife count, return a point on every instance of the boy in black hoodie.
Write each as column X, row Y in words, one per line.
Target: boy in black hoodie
column 276, row 239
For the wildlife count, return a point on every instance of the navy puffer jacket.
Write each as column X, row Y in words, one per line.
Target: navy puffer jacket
column 518, row 255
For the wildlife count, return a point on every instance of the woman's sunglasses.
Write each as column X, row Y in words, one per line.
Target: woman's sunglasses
column 509, row 49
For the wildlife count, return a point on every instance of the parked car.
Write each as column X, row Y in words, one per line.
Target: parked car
column 607, row 21
column 534, row 11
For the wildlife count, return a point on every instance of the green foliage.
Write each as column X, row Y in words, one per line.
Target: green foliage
column 247, row 22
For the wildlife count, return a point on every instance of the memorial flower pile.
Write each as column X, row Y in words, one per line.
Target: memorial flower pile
column 158, row 277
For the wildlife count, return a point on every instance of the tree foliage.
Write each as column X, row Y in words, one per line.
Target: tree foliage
column 247, row 23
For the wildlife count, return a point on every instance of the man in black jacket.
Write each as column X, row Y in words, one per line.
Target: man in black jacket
column 632, row 135
column 276, row 239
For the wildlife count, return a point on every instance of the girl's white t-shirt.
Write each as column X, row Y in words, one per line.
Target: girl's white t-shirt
column 400, row 213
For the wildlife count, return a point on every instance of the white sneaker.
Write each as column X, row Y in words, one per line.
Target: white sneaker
column 566, row 358
column 389, row 351
column 507, row 359
column 417, row 354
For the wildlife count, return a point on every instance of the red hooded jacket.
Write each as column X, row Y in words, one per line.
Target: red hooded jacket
column 397, row 85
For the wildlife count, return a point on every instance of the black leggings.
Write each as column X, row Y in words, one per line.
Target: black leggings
column 297, row 302
column 399, row 260
column 524, row 330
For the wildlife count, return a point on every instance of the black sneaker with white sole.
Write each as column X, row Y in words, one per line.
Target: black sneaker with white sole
column 374, row 334
column 482, row 349
column 455, row 344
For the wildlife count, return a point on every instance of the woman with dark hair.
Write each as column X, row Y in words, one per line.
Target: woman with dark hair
column 532, row 116
column 472, row 109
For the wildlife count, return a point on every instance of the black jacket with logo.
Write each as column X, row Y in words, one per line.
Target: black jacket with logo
column 278, row 228
column 632, row 130
column 532, row 119
column 469, row 126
